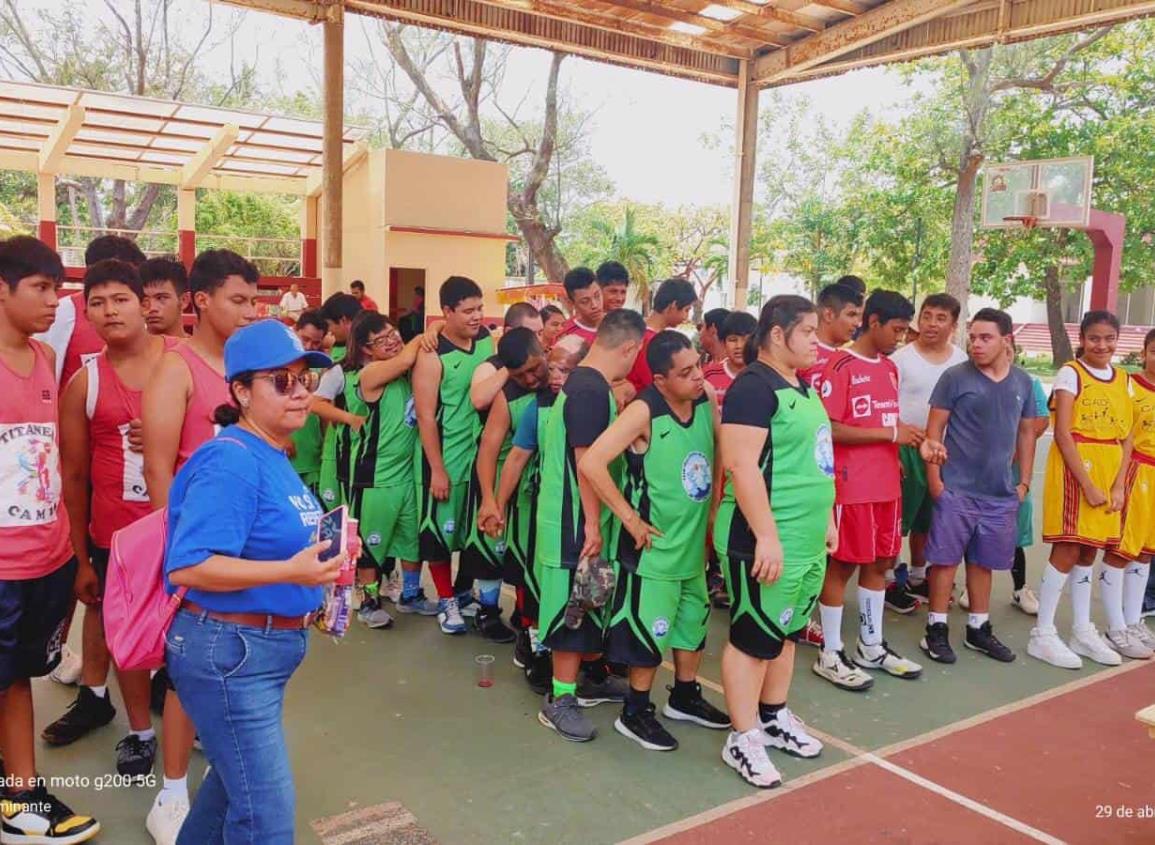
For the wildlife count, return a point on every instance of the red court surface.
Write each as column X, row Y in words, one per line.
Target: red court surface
column 1070, row 767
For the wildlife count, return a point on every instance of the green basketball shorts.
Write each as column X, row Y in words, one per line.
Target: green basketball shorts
column 764, row 616
column 651, row 615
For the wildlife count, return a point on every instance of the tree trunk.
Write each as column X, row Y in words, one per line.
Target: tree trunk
column 975, row 106
column 1061, row 351
column 539, row 238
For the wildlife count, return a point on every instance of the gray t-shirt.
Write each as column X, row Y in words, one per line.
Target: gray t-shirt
column 983, row 428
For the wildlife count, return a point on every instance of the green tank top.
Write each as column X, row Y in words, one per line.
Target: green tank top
column 457, row 419
column 517, row 398
column 307, row 445
column 797, row 466
column 329, row 447
column 348, row 440
column 383, row 448
column 669, row 485
column 560, row 519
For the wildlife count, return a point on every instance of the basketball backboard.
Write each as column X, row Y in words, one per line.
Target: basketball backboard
column 1055, row 191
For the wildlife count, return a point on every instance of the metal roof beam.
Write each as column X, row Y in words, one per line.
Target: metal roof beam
column 56, row 144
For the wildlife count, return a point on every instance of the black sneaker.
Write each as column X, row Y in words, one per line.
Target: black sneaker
column 984, row 640
column 522, row 650
column 718, row 595
column 158, row 690
column 539, row 672
column 84, row 715
column 695, row 708
column 135, row 756
column 936, row 643
column 920, row 591
column 899, row 600
column 618, row 670
column 36, row 816
column 644, row 728
column 490, row 626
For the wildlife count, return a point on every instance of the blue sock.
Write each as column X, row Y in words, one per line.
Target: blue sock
column 410, row 583
column 488, row 592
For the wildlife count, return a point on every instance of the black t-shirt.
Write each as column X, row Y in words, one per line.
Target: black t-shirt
column 753, row 397
column 587, row 407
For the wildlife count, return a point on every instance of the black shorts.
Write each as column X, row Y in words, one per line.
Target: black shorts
column 34, row 618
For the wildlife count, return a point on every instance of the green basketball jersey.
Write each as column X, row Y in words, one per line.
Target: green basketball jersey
column 329, row 447
column 348, row 440
column 383, row 448
column 458, row 422
column 797, row 465
column 669, row 485
column 584, row 408
column 307, row 444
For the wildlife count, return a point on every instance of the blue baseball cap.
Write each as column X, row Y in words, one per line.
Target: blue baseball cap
column 267, row 345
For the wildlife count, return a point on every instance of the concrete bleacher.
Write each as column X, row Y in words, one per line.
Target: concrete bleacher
column 1035, row 338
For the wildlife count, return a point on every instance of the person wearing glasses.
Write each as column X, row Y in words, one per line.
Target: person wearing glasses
column 241, row 535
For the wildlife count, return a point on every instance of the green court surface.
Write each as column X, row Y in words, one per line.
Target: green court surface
column 397, row 716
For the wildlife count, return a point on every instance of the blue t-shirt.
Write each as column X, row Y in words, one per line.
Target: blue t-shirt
column 983, row 428
column 526, row 435
column 240, row 497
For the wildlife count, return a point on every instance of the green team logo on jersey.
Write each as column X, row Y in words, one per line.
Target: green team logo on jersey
column 824, row 450
column 696, row 476
column 785, row 617
column 449, row 527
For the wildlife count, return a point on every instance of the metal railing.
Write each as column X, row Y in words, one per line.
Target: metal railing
column 72, row 240
column 272, row 256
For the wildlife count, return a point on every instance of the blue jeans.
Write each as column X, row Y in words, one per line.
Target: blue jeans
column 231, row 680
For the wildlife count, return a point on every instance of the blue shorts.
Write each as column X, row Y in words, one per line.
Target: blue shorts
column 978, row 530
column 34, row 617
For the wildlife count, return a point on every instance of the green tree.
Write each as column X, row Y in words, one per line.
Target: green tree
column 634, row 249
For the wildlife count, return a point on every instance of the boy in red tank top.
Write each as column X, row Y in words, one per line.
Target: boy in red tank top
column 177, row 416
column 37, row 568
column 104, row 491
column 860, row 391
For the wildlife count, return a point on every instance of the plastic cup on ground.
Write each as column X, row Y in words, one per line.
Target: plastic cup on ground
column 484, row 670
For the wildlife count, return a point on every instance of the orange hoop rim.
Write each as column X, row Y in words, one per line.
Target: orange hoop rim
column 1027, row 221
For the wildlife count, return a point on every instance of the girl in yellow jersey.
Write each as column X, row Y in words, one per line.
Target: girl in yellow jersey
column 1084, row 493
column 1134, row 552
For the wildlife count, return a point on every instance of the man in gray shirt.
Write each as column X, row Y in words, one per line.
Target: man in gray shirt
column 986, row 408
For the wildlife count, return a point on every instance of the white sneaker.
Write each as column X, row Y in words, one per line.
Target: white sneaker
column 836, row 667
column 1048, row 646
column 1026, row 601
column 391, row 587
column 788, row 733
column 374, row 616
column 1128, row 645
column 449, row 617
column 745, row 754
column 882, row 657
column 164, row 820
column 67, row 671
column 1088, row 642
column 964, row 600
column 1143, row 634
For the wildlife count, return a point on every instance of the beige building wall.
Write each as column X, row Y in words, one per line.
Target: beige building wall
column 460, row 199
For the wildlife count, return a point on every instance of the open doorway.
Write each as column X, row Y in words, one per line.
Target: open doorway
column 404, row 283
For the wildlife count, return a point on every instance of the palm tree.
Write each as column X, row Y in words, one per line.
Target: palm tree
column 633, row 249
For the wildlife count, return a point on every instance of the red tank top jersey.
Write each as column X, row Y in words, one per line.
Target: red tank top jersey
column 813, row 375
column 863, row 393
column 84, row 343
column 640, row 376
column 119, row 494
column 34, row 538
column 208, row 391
column 572, row 326
column 720, row 378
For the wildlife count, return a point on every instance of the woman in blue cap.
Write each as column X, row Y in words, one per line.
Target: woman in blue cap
column 241, row 539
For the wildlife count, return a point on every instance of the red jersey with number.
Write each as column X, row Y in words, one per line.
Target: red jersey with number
column 34, row 539
column 83, row 344
column 640, row 376
column 720, row 378
column 209, row 391
column 813, row 375
column 863, row 392
column 116, row 472
column 572, row 326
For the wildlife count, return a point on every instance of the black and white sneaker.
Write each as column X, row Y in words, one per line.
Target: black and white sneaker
column 644, row 728
column 522, row 649
column 746, row 754
column 87, row 712
column 984, row 640
column 539, row 672
column 936, row 643
column 695, row 708
column 788, row 733
column 899, row 600
column 135, row 756
column 489, row 625
column 919, row 591
column 37, row 817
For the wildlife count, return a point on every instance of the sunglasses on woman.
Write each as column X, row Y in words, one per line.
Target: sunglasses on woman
column 285, row 382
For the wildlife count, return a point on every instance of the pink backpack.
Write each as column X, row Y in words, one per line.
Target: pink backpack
column 137, row 608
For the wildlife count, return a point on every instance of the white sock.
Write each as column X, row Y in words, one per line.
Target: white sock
column 917, row 574
column 100, row 692
column 145, row 735
column 933, row 618
column 174, row 789
column 1111, row 595
column 977, row 620
column 831, row 627
column 870, row 604
column 1134, row 588
column 1050, row 591
column 535, row 641
column 1082, row 578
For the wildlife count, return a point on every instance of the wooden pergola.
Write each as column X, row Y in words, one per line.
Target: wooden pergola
column 744, row 44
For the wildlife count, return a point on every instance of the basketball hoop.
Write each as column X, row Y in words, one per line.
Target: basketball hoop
column 1026, row 221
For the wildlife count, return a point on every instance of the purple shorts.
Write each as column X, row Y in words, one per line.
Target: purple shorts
column 981, row 531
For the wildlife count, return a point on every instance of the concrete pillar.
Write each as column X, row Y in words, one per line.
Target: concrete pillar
column 46, row 203
column 1106, row 231
column 186, row 224
column 332, row 149
column 742, row 210
column 309, row 236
